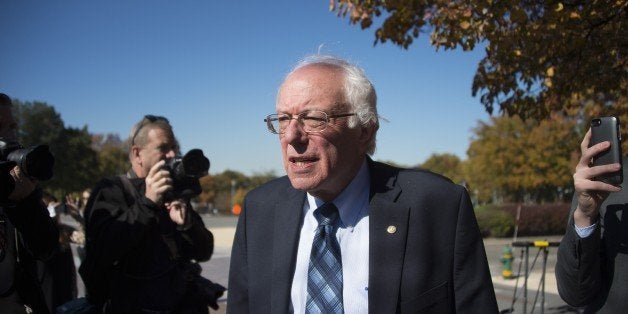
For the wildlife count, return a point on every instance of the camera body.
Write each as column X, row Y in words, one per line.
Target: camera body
column 36, row 162
column 185, row 173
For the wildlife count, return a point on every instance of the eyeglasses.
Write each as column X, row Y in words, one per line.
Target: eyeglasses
column 312, row 121
column 149, row 118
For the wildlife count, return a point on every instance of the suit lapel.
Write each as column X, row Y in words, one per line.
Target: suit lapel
column 388, row 229
column 287, row 224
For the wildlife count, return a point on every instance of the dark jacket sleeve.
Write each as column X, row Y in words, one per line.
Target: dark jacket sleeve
column 198, row 242
column 473, row 285
column 38, row 231
column 578, row 266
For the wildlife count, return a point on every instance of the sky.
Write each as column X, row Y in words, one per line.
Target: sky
column 213, row 69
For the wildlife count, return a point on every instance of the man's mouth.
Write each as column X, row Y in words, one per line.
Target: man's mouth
column 302, row 161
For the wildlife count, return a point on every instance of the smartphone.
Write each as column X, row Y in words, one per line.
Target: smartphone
column 608, row 129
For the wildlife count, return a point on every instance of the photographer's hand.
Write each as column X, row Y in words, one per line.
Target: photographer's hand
column 158, row 181
column 24, row 185
column 590, row 192
column 177, row 210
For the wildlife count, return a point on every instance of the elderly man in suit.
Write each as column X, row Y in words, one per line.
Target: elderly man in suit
column 342, row 233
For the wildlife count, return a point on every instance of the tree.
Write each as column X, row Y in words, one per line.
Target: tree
column 38, row 123
column 217, row 189
column 541, row 56
column 521, row 160
column 75, row 161
column 113, row 155
column 448, row 165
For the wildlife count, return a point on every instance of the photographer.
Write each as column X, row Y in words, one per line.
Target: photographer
column 141, row 236
column 27, row 233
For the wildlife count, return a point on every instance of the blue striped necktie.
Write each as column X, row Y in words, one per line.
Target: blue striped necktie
column 324, row 280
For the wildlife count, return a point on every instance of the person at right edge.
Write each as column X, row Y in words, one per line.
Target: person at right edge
column 592, row 265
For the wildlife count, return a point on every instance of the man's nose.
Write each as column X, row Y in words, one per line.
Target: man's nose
column 294, row 132
column 171, row 154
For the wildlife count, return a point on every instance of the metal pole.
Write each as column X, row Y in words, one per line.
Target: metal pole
column 525, row 283
column 233, row 183
column 545, row 251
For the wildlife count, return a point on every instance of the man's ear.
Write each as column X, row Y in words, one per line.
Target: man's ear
column 367, row 134
column 135, row 154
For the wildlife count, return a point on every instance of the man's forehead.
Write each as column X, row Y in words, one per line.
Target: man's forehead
column 307, row 86
column 160, row 135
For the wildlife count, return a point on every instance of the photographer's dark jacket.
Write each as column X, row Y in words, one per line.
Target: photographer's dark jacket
column 146, row 249
column 30, row 235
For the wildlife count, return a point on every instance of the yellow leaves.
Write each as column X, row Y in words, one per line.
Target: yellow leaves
column 548, row 80
column 573, row 15
column 550, row 71
column 517, row 52
column 465, row 25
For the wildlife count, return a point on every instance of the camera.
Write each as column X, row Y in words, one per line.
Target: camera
column 185, row 172
column 36, row 162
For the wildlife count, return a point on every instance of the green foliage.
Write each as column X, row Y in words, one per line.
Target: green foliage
column 113, row 155
column 218, row 188
column 38, row 123
column 75, row 161
column 539, row 219
column 541, row 56
column 520, row 160
column 448, row 165
column 534, row 220
column 494, row 222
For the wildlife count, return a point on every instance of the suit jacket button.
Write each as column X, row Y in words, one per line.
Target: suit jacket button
column 391, row 229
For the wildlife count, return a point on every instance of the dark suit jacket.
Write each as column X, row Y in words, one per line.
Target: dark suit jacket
column 593, row 271
column 434, row 263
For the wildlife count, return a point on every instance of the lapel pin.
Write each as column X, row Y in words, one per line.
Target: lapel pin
column 391, row 229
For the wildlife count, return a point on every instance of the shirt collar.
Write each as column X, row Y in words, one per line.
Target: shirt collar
column 352, row 200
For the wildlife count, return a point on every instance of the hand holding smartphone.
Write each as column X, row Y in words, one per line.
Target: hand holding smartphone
column 607, row 129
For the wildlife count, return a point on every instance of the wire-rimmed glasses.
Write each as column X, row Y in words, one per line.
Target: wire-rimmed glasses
column 312, row 121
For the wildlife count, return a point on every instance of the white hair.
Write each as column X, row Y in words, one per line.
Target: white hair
column 359, row 92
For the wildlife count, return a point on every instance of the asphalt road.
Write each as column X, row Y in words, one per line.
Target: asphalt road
column 223, row 227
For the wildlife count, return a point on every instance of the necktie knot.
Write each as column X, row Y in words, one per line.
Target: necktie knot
column 326, row 214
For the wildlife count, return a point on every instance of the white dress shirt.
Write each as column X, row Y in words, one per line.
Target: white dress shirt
column 353, row 238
